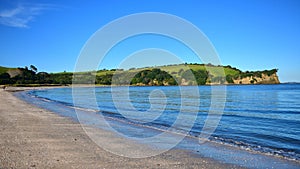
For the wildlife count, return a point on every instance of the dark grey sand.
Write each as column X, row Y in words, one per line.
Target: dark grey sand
column 31, row 137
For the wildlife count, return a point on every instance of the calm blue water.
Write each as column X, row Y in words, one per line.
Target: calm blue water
column 263, row 118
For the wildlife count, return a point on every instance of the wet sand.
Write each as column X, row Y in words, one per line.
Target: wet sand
column 36, row 138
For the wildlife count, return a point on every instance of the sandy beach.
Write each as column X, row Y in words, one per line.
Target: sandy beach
column 35, row 138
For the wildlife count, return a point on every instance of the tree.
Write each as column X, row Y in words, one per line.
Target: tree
column 229, row 79
column 43, row 77
column 33, row 68
column 5, row 78
column 153, row 77
column 195, row 77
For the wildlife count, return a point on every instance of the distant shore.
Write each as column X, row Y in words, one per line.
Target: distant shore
column 36, row 138
column 12, row 88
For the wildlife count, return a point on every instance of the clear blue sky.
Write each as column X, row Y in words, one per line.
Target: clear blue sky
column 247, row 34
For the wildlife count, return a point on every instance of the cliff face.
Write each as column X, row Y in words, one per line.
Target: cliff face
column 264, row 79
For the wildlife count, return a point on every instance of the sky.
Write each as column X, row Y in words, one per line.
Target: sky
column 248, row 34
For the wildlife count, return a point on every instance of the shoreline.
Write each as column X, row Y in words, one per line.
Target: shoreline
column 39, row 86
column 32, row 137
column 217, row 154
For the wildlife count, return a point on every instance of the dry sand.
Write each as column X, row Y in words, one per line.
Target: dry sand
column 36, row 138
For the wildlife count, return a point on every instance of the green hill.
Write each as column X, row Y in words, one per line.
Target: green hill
column 185, row 74
column 5, row 69
column 180, row 74
column 175, row 69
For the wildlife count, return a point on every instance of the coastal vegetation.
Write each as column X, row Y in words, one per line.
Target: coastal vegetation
column 180, row 74
column 26, row 76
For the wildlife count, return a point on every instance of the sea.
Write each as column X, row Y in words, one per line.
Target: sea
column 259, row 119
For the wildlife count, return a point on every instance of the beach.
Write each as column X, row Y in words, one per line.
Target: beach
column 32, row 137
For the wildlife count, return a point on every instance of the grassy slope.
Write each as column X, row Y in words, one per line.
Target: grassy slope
column 4, row 69
column 174, row 69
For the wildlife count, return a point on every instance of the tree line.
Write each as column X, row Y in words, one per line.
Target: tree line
column 151, row 76
column 32, row 76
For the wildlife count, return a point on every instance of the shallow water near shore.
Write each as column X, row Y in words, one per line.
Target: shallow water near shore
column 264, row 119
